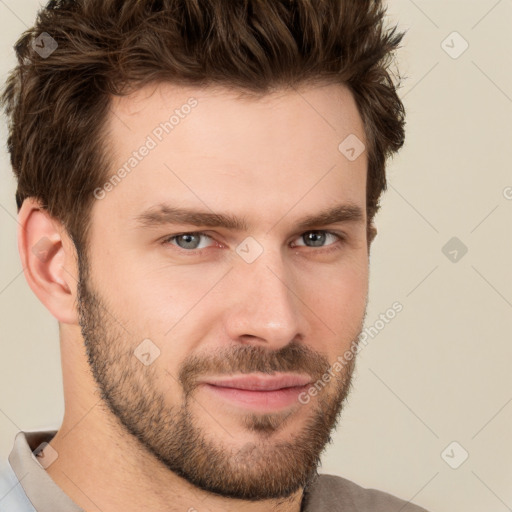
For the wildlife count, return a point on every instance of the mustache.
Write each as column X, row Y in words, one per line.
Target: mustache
column 293, row 357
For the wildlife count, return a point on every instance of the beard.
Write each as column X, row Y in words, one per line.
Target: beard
column 135, row 395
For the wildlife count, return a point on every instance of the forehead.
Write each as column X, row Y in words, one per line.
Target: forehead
column 329, row 107
column 211, row 147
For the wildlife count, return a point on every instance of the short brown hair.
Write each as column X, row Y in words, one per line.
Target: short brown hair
column 57, row 106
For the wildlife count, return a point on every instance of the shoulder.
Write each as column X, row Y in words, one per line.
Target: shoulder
column 334, row 493
column 12, row 495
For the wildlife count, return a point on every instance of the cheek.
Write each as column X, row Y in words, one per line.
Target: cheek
column 338, row 300
column 342, row 304
column 152, row 299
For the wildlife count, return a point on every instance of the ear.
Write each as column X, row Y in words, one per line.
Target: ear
column 48, row 257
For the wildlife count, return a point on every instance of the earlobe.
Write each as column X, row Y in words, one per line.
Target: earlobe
column 47, row 263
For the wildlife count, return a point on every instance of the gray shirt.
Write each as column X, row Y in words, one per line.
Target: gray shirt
column 25, row 486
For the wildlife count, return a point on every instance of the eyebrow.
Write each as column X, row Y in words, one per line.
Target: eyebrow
column 163, row 214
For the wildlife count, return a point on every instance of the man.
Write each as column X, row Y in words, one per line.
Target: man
column 197, row 182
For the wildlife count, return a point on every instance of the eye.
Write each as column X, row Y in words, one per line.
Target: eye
column 191, row 241
column 188, row 241
column 318, row 237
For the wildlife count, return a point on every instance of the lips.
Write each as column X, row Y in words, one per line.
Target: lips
column 260, row 382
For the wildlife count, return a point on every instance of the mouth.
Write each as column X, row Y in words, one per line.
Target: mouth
column 258, row 391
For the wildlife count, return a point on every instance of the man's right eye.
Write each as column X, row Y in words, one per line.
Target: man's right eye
column 189, row 241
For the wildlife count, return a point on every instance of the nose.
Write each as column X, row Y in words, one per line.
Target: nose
column 263, row 307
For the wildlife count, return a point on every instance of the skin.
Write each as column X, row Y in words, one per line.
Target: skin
column 150, row 437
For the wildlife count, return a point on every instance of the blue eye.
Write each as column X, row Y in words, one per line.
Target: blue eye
column 190, row 241
column 318, row 237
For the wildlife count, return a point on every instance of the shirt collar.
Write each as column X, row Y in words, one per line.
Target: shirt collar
column 41, row 490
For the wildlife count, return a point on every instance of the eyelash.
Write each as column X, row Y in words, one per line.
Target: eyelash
column 192, row 252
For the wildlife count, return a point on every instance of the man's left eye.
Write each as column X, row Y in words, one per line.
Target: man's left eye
column 318, row 237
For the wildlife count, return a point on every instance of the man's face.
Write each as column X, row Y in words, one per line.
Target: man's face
column 270, row 297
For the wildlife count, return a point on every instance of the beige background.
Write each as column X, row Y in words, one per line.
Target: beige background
column 440, row 370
